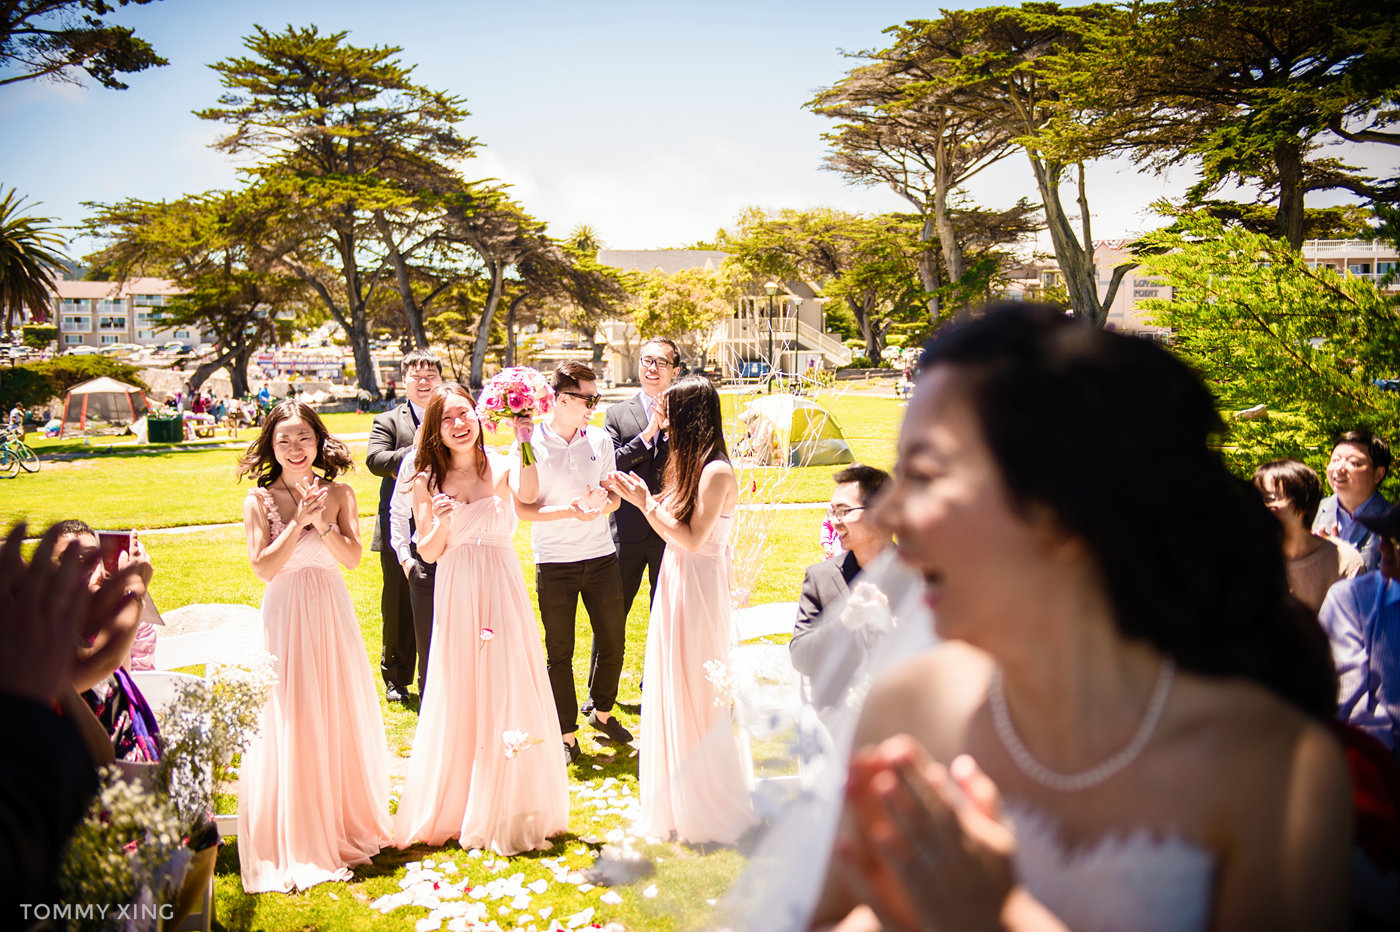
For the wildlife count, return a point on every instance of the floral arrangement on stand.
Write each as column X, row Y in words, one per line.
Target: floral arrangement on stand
column 131, row 847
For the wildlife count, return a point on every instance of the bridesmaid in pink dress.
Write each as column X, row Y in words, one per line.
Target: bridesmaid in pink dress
column 313, row 790
column 694, row 784
column 486, row 767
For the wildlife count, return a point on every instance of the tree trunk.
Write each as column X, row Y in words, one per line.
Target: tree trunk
column 928, row 269
column 238, row 370
column 483, row 326
column 948, row 241
column 412, row 313
column 868, row 331
column 1076, row 260
column 1288, row 222
column 510, row 334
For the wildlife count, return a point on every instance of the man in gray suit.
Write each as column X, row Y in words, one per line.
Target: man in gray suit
column 406, row 635
column 1360, row 461
column 821, row 645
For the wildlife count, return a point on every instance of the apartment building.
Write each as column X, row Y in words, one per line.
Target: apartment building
column 1371, row 259
column 103, row 313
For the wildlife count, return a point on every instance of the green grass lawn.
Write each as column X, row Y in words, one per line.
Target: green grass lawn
column 173, row 487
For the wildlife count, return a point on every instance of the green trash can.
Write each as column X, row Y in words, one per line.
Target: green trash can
column 164, row 430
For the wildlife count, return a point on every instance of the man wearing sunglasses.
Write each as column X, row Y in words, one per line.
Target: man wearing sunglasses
column 575, row 555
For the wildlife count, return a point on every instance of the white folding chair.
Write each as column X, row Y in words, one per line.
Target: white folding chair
column 187, row 650
column 768, row 691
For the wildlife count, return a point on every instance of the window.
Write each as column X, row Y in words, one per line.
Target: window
column 72, row 339
column 108, row 338
column 1359, row 268
column 182, row 334
column 80, row 323
column 145, row 334
column 149, row 300
column 1385, row 268
column 112, row 323
column 106, row 306
column 147, row 316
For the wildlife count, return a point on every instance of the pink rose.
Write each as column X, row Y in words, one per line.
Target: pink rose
column 517, row 400
column 492, row 402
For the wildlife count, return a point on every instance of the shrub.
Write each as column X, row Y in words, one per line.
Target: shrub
column 861, row 362
column 38, row 336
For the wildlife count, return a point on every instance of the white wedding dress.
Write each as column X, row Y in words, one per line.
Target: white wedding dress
column 1139, row 880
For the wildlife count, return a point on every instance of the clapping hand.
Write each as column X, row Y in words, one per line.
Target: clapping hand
column 311, row 509
column 589, row 505
column 46, row 609
column 929, row 848
column 629, row 485
column 443, row 506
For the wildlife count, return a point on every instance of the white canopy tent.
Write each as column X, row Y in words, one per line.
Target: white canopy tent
column 101, row 403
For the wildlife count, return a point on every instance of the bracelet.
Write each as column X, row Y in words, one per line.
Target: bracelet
column 325, row 532
column 527, row 454
column 652, row 505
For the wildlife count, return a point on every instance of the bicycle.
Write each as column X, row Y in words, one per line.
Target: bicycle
column 15, row 454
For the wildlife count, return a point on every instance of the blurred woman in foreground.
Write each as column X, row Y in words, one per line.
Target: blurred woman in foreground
column 1125, row 729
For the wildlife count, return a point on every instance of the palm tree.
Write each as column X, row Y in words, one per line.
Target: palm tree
column 30, row 253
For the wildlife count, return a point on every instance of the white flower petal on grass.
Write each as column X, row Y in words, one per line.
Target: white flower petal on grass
column 612, row 898
column 582, row 917
column 539, row 886
column 585, row 887
column 649, row 892
column 545, row 913
column 427, row 925
column 520, row 903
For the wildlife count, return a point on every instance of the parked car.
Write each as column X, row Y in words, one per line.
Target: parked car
column 82, row 350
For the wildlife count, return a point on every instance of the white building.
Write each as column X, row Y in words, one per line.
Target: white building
column 103, row 313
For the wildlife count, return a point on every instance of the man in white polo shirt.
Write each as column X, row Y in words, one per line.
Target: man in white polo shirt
column 574, row 552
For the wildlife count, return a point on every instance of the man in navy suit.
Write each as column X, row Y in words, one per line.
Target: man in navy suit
column 1360, row 461
column 406, row 634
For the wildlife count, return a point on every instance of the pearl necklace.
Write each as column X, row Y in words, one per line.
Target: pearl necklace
column 1073, row 782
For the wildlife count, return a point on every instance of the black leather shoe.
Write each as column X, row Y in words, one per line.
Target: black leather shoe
column 612, row 728
column 572, row 752
column 393, row 694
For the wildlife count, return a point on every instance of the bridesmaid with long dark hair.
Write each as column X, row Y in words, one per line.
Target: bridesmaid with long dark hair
column 313, row 795
column 694, row 785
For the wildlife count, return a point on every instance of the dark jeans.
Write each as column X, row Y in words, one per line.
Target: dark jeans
column 559, row 586
column 397, row 660
column 420, row 592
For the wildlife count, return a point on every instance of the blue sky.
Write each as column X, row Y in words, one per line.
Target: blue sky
column 654, row 123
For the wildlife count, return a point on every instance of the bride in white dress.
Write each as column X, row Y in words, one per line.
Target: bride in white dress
column 1126, row 726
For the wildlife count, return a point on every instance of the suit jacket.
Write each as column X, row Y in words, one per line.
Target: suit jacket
column 625, row 423
column 1364, row 628
column 390, row 439
column 823, row 645
column 1367, row 543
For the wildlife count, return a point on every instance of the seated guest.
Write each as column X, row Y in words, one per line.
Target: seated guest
column 1360, row 461
column 44, row 791
column 1362, row 620
column 1292, row 491
column 815, row 639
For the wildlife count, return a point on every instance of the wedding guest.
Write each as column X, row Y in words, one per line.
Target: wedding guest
column 640, row 446
column 313, row 789
column 1292, row 492
column 419, row 573
column 406, row 636
column 1362, row 620
column 819, row 641
column 1113, row 682
column 45, row 607
column 575, row 555
column 485, row 769
column 693, row 783
column 1359, row 463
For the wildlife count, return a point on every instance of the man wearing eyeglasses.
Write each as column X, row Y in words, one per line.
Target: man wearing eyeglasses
column 818, row 643
column 1358, row 465
column 575, row 555
column 640, row 444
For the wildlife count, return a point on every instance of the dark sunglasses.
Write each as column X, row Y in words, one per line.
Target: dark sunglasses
column 591, row 401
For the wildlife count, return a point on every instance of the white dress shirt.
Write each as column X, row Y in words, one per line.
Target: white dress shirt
column 566, row 470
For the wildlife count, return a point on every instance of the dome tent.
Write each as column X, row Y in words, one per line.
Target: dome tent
column 102, row 402
column 804, row 433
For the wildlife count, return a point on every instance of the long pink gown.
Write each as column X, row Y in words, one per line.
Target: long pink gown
column 313, row 790
column 693, row 781
column 465, row 780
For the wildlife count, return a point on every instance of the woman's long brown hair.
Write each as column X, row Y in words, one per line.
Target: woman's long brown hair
column 434, row 457
column 693, row 402
column 332, row 456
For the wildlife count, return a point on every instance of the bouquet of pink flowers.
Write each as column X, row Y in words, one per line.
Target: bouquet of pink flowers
column 512, row 393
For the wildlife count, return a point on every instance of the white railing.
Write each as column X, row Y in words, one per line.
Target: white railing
column 737, row 332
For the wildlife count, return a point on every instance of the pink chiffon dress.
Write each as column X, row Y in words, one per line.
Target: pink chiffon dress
column 313, row 789
column 693, row 782
column 487, row 767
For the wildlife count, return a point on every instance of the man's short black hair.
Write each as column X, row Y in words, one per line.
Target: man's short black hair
column 1375, row 447
column 871, row 479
